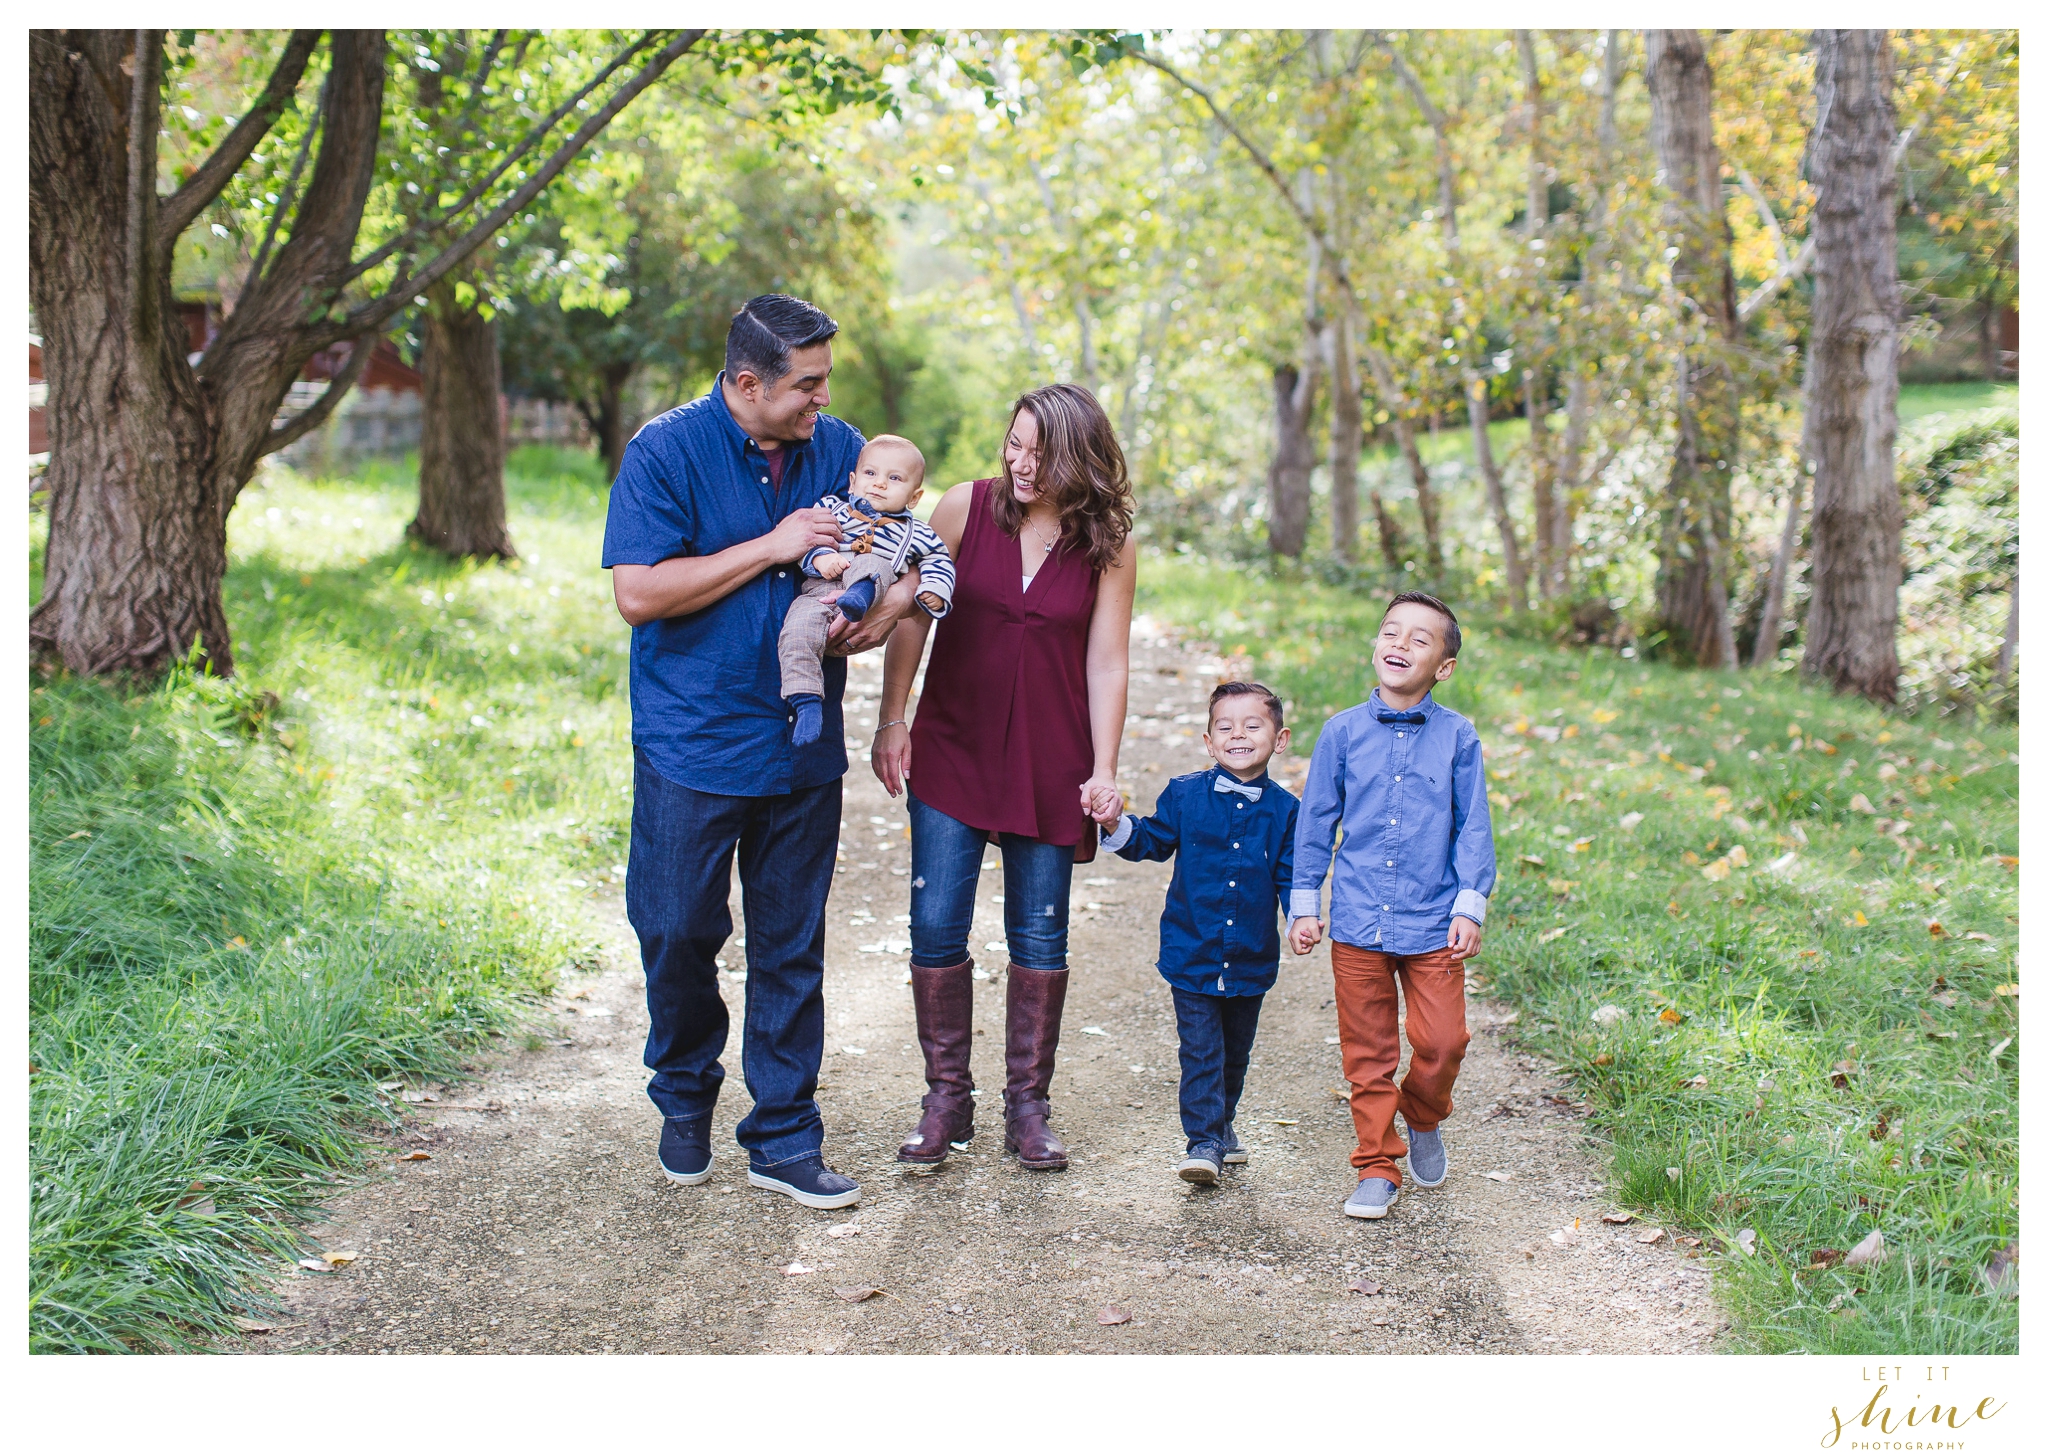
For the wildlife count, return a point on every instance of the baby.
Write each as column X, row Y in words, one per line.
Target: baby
column 881, row 539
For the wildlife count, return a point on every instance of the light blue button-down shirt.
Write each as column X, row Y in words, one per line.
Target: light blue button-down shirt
column 1417, row 844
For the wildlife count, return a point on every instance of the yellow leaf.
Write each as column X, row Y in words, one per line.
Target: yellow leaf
column 1563, row 885
column 1670, row 1016
column 2010, row 990
column 1603, row 716
column 1738, row 856
column 1689, row 858
column 1861, row 922
column 1571, row 730
column 1549, row 934
column 1717, row 870
column 1580, row 845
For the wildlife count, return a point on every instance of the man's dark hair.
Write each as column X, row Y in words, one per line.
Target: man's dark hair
column 1249, row 689
column 1453, row 637
column 767, row 330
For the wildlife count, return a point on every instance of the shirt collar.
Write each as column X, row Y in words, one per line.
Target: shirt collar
column 1427, row 706
column 1216, row 770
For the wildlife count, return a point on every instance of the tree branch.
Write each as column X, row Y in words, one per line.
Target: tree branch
column 291, row 187
column 143, row 216
column 182, row 207
column 378, row 311
column 527, row 143
column 292, row 431
column 1446, row 170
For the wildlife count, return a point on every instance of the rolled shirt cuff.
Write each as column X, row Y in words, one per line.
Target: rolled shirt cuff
column 1470, row 904
column 1305, row 904
column 1124, row 829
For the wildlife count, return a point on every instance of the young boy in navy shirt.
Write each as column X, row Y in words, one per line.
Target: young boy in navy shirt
column 1232, row 829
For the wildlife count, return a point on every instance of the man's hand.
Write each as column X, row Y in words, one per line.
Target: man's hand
column 832, row 565
column 1465, row 937
column 1304, row 934
column 800, row 532
column 851, row 638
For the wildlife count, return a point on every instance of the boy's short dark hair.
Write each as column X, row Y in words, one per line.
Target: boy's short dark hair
column 768, row 329
column 1453, row 638
column 1249, row 689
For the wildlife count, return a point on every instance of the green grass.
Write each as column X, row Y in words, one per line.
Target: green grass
column 1916, row 401
column 252, row 901
column 1811, row 1059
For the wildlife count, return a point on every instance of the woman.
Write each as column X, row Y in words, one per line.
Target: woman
column 1018, row 725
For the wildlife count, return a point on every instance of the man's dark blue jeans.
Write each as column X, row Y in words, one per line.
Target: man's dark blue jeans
column 678, row 882
column 1216, row 1034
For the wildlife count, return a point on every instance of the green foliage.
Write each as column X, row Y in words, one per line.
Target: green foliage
column 1959, row 478
column 1819, row 1033
column 253, row 900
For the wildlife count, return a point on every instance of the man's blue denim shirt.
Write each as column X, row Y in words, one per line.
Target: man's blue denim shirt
column 707, row 692
column 1418, row 838
column 1233, row 861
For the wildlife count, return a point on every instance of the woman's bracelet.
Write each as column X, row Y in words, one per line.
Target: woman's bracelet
column 899, row 722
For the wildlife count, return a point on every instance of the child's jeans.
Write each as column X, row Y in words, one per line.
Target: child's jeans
column 1216, row 1033
column 1368, row 1026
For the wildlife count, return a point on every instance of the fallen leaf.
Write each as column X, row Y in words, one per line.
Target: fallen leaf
column 1689, row 859
column 81, row 833
column 1975, row 934
column 1655, row 1234
column 2009, row 860
column 314, row 1264
column 250, row 1325
column 844, row 1229
column 1860, row 921
column 1562, row 885
column 1364, row 1288
column 1672, row 1173
column 1746, row 1240
column 856, row 1294
column 1565, row 1237
column 1287, row 1123
column 1629, row 821
column 1934, row 929
column 2002, row 1272
column 1619, row 1219
column 1603, row 715
column 1738, row 856
column 797, row 1269
column 1531, row 859
column 1999, row 1049
column 1609, row 1015
column 416, row 1156
column 1669, row 1016
column 1093, row 1030
column 1698, row 1082
column 1500, row 1176
column 1603, row 1058
column 1783, row 862
column 1843, row 1069
column 1861, row 804
column 1528, row 1250
column 1110, row 1316
column 1824, row 1258
column 339, row 1259
column 1717, row 870
column 1869, row 1250
column 1551, row 934
column 1580, row 845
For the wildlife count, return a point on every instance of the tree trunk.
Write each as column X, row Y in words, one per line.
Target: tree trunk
column 1542, row 482
column 1692, row 593
column 1347, row 431
column 1496, row 494
column 1571, row 458
column 1772, row 625
column 610, row 423
column 462, row 438
column 1294, row 458
column 1852, row 370
column 1425, row 495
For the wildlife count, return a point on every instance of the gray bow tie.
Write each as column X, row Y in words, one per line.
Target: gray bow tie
column 1225, row 783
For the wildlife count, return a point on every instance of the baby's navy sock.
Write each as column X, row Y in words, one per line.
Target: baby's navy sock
column 858, row 597
column 810, row 718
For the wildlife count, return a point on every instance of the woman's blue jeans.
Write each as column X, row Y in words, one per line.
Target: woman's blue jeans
column 945, row 869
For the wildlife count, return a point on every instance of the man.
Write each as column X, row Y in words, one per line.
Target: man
column 714, row 505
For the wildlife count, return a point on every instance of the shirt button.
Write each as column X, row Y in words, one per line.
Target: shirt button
column 1233, row 883
column 1233, row 845
column 1397, row 777
column 782, row 575
column 1390, row 863
column 1400, row 734
column 1388, row 907
column 764, row 479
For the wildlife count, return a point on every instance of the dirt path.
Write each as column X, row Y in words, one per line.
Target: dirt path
column 540, row 1223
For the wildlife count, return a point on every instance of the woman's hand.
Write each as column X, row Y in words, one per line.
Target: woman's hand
column 890, row 757
column 1098, row 794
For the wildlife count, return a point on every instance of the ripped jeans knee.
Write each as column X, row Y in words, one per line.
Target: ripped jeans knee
column 946, row 858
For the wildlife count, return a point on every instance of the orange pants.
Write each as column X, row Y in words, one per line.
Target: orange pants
column 1368, row 1028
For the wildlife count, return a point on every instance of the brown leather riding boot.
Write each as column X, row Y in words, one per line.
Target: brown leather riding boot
column 1036, row 999
column 945, row 1030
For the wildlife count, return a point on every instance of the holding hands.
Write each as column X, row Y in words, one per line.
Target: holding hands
column 1103, row 801
column 1304, row 934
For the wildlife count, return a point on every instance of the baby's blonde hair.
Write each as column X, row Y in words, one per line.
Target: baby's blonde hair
column 897, row 441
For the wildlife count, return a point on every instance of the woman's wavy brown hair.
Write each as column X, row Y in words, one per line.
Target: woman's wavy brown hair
column 1080, row 469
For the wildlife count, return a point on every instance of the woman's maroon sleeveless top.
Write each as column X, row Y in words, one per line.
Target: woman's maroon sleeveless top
column 1001, row 740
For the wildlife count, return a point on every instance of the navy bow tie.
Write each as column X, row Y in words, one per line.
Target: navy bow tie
column 1225, row 783
column 1412, row 717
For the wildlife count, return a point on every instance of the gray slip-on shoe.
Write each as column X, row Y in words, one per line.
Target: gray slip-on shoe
column 1428, row 1162
column 1373, row 1199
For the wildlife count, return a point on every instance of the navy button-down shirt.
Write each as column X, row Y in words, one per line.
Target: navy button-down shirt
column 1219, row 933
column 1418, row 839
column 707, row 691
